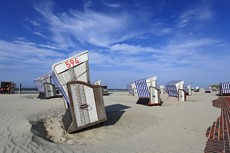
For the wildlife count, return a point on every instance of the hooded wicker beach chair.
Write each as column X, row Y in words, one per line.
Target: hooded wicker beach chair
column 175, row 90
column 188, row 89
column 132, row 88
column 11, row 85
column 208, row 89
column 214, row 89
column 45, row 87
column 147, row 92
column 197, row 89
column 161, row 88
column 83, row 102
column 104, row 86
column 224, row 88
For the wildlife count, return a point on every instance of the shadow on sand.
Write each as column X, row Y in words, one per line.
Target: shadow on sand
column 113, row 113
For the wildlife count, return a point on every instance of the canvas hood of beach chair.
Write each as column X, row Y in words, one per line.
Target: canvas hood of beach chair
column 208, row 89
column 188, row 89
column 11, row 85
column 84, row 102
column 147, row 92
column 175, row 90
column 45, row 87
column 224, row 88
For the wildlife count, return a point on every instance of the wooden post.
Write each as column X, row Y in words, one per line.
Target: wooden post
column 19, row 89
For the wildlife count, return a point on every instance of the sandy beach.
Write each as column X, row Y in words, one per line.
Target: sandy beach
column 29, row 124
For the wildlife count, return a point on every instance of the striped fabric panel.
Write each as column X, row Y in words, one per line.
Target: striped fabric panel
column 225, row 87
column 60, row 87
column 142, row 88
column 129, row 87
column 172, row 90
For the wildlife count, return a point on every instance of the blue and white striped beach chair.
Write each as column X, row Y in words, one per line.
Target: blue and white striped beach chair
column 84, row 102
column 175, row 90
column 130, row 88
column 208, row 89
column 213, row 88
column 146, row 89
column 45, row 87
column 224, row 88
column 187, row 89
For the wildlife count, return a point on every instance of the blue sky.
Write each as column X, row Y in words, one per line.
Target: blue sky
column 127, row 40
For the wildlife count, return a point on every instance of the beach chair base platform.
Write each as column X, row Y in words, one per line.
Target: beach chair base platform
column 86, row 106
column 146, row 101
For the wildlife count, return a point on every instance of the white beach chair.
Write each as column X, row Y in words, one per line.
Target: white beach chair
column 224, row 88
column 197, row 89
column 104, row 86
column 161, row 88
column 208, row 89
column 146, row 89
column 45, row 87
column 175, row 90
column 84, row 102
column 213, row 88
column 188, row 89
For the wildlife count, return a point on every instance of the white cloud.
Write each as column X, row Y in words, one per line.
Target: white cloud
column 112, row 5
column 130, row 49
column 197, row 14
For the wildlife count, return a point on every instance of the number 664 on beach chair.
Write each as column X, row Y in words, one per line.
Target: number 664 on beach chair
column 147, row 92
column 83, row 102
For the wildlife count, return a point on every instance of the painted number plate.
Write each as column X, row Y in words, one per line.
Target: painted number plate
column 72, row 63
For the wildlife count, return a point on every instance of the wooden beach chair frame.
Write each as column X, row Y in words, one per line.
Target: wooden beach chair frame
column 71, row 120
